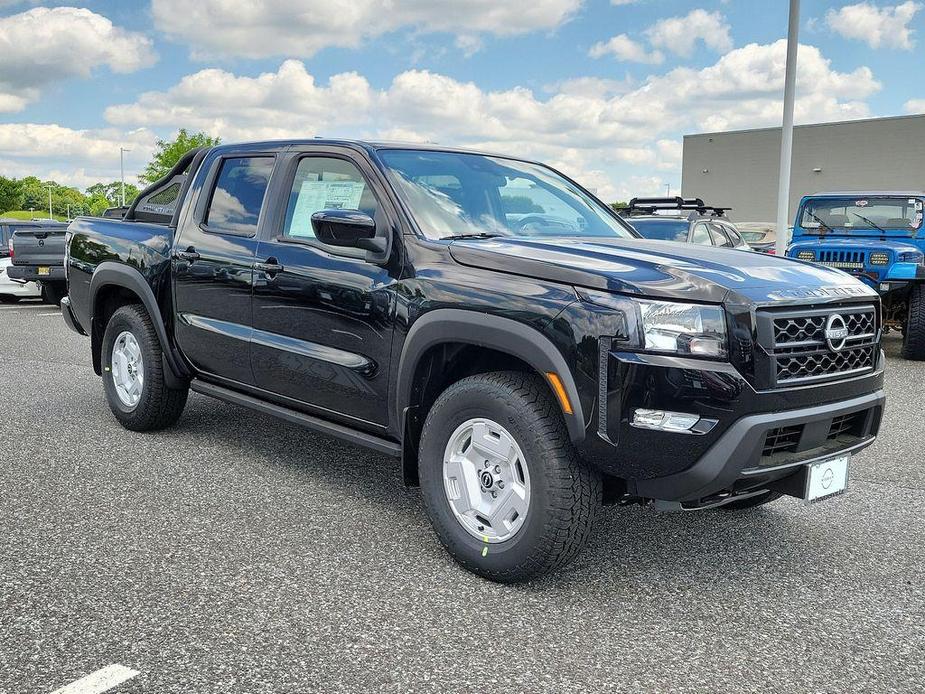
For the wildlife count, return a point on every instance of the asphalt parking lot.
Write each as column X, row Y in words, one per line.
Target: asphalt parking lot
column 235, row 553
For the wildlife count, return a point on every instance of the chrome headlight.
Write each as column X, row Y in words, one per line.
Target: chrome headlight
column 688, row 329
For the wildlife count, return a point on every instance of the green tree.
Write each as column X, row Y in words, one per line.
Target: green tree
column 35, row 195
column 169, row 152
column 113, row 192
column 11, row 197
column 619, row 205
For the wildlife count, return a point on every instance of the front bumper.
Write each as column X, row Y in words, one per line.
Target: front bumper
column 30, row 273
column 739, row 460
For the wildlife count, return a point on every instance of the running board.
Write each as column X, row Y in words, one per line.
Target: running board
column 340, row 431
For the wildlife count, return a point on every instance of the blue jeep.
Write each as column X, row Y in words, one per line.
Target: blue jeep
column 878, row 237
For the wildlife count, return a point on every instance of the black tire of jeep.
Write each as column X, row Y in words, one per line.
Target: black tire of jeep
column 750, row 502
column 159, row 406
column 914, row 334
column 52, row 294
column 565, row 494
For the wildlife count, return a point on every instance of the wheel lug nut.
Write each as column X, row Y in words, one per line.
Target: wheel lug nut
column 494, row 495
column 497, row 469
column 500, row 485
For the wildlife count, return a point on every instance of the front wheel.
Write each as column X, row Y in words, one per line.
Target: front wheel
column 133, row 373
column 914, row 334
column 503, row 486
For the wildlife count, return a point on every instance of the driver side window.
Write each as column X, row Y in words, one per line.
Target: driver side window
column 325, row 183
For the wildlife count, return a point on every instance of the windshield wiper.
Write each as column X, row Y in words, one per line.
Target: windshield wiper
column 821, row 223
column 479, row 235
column 875, row 226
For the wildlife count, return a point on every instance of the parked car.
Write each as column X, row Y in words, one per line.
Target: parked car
column 524, row 368
column 878, row 238
column 12, row 291
column 687, row 220
column 761, row 236
column 37, row 254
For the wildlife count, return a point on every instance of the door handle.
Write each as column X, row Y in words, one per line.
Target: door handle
column 189, row 255
column 271, row 266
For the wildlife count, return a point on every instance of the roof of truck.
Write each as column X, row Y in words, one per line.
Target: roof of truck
column 365, row 144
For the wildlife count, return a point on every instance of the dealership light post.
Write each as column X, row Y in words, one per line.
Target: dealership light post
column 786, row 132
column 51, row 215
column 122, row 152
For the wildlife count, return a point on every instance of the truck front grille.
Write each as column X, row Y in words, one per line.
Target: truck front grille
column 805, row 345
column 843, row 260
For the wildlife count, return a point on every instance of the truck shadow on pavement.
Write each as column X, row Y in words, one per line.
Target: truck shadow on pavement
column 629, row 544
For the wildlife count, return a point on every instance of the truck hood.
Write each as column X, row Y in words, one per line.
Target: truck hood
column 662, row 269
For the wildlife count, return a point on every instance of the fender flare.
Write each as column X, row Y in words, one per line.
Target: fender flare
column 485, row 330
column 111, row 273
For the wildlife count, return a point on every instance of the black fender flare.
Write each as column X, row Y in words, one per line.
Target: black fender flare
column 110, row 273
column 485, row 330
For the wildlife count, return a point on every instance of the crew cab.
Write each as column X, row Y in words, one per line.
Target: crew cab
column 877, row 237
column 526, row 361
column 36, row 251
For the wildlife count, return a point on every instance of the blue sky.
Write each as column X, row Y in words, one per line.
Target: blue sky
column 604, row 89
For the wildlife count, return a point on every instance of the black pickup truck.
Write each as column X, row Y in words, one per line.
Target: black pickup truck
column 486, row 320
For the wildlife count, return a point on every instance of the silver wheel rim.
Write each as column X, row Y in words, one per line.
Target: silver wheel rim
column 128, row 372
column 486, row 480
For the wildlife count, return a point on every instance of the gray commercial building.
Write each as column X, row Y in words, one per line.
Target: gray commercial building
column 739, row 169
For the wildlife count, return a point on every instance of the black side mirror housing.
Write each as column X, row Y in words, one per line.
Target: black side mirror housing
column 347, row 229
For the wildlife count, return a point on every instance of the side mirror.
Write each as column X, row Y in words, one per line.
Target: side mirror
column 347, row 229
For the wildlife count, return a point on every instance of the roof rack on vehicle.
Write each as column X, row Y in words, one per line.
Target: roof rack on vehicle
column 652, row 205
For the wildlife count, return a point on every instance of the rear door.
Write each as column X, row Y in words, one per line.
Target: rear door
column 213, row 260
column 323, row 316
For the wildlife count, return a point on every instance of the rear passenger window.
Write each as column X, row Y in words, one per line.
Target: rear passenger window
column 238, row 195
column 719, row 236
column 325, row 183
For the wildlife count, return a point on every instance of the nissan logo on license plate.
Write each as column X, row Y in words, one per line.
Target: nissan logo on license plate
column 836, row 333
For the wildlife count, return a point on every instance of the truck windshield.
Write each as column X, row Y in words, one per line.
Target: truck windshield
column 454, row 195
column 862, row 213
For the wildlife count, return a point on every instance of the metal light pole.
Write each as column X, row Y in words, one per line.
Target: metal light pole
column 51, row 215
column 122, row 152
column 786, row 132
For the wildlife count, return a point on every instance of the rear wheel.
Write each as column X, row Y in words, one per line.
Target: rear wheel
column 503, row 486
column 914, row 334
column 133, row 374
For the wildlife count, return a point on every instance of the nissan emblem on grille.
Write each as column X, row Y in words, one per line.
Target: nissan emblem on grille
column 836, row 333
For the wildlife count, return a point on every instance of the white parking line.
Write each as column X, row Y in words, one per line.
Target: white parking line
column 56, row 313
column 99, row 681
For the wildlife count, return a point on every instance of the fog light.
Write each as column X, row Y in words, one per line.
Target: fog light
column 806, row 255
column 664, row 421
column 879, row 259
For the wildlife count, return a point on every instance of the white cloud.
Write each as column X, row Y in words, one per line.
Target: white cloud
column 622, row 47
column 874, row 25
column 585, row 126
column 44, row 45
column 263, row 28
column 73, row 157
column 914, row 106
column 680, row 34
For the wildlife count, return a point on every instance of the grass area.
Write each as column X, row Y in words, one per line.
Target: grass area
column 26, row 214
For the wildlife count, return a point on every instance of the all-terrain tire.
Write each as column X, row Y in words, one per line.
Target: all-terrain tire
column 159, row 406
column 750, row 502
column 914, row 334
column 565, row 494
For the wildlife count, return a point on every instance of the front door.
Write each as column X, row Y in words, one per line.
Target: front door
column 323, row 315
column 213, row 267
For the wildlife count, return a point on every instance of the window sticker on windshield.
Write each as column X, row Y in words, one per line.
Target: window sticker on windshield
column 918, row 204
column 861, row 203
